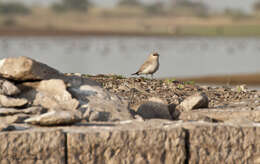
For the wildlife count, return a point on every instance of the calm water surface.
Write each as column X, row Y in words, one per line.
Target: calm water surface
column 180, row 57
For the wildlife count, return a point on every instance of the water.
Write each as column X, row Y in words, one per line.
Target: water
column 180, row 57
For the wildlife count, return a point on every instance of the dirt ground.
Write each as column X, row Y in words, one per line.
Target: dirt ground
column 138, row 90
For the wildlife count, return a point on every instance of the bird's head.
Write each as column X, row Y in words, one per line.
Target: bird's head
column 154, row 55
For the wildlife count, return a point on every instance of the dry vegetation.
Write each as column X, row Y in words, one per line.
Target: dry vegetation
column 131, row 21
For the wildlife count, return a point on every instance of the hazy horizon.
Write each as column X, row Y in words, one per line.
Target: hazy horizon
column 214, row 5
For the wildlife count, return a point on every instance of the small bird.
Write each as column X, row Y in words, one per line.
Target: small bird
column 150, row 66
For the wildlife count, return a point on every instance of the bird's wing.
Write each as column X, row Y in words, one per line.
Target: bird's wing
column 146, row 64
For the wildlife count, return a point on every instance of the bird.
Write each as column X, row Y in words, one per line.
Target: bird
column 150, row 66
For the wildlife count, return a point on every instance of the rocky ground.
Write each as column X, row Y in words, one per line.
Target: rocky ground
column 112, row 119
column 138, row 90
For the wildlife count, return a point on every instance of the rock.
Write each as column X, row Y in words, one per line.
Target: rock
column 29, row 147
column 195, row 117
column 222, row 114
column 6, row 127
column 91, row 115
column 157, row 100
column 9, row 111
column 56, row 118
column 240, row 121
column 173, row 111
column 34, row 110
column 18, row 118
column 7, row 88
column 109, row 110
column 30, row 110
column 152, row 109
column 138, row 143
column 77, row 82
column 138, row 118
column 211, row 143
column 53, row 94
column 102, row 105
column 24, row 68
column 50, row 94
column 12, row 102
column 194, row 102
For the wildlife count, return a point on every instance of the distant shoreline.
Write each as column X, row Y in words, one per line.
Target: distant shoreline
column 249, row 79
column 46, row 32
column 21, row 32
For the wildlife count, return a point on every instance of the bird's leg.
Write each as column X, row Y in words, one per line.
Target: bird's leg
column 152, row 76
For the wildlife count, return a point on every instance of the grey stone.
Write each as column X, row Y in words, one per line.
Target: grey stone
column 173, row 111
column 6, row 127
column 151, row 109
column 28, row 147
column 50, row 94
column 24, row 68
column 127, row 144
column 55, row 118
column 8, row 88
column 96, row 116
column 196, row 101
column 102, row 105
column 57, row 94
column 12, row 102
column 212, row 143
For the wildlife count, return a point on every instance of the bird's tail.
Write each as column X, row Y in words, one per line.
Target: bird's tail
column 137, row 73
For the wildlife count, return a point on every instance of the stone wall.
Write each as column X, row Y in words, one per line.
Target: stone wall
column 153, row 141
column 32, row 147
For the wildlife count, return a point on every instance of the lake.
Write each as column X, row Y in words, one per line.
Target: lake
column 179, row 56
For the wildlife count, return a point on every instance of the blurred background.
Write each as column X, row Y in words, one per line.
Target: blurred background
column 202, row 40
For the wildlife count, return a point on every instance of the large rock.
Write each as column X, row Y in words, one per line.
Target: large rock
column 32, row 147
column 55, row 118
column 215, row 143
column 75, row 93
column 152, row 109
column 12, row 102
column 50, row 94
column 24, row 68
column 127, row 144
column 104, row 105
column 8, row 88
column 196, row 101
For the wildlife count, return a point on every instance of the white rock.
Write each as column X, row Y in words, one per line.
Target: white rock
column 56, row 118
column 194, row 102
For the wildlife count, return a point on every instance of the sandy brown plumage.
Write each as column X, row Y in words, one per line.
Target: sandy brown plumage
column 150, row 66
